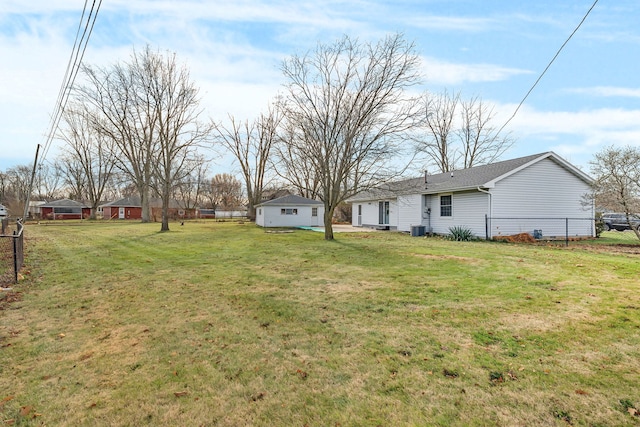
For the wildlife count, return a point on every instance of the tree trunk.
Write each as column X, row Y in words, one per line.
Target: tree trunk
column 144, row 201
column 166, row 196
column 328, row 225
column 251, row 212
column 165, row 216
column 93, row 211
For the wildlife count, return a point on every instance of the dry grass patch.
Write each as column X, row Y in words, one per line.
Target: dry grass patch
column 221, row 324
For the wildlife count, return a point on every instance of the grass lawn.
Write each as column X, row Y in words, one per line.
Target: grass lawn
column 222, row 324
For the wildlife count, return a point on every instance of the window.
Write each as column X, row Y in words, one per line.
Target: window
column 260, row 211
column 314, row 211
column 289, row 211
column 446, row 206
column 67, row 210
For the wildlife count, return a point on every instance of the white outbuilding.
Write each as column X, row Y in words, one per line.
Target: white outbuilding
column 290, row 211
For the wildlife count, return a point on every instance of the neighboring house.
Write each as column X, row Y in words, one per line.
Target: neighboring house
column 290, row 211
column 533, row 194
column 131, row 208
column 126, row 208
column 65, row 209
column 35, row 210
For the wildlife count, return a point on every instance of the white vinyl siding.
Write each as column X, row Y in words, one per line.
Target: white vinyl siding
column 409, row 211
column 371, row 213
column 469, row 210
column 273, row 216
column 543, row 190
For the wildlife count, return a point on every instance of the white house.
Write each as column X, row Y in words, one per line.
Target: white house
column 290, row 211
column 541, row 194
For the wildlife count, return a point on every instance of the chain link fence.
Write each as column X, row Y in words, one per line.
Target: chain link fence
column 11, row 251
column 560, row 230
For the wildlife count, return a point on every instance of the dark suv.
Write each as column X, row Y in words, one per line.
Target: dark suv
column 618, row 221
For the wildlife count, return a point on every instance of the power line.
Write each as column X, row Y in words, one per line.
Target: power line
column 73, row 67
column 548, row 66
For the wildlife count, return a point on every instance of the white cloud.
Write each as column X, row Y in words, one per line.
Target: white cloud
column 447, row 73
column 608, row 91
column 450, row 23
column 574, row 135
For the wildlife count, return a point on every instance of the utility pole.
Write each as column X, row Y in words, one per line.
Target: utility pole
column 33, row 176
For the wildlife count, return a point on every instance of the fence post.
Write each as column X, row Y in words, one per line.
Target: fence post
column 566, row 232
column 486, row 227
column 15, row 257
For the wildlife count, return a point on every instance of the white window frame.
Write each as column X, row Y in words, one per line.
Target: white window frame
column 450, row 206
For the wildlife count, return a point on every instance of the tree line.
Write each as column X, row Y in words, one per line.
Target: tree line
column 349, row 118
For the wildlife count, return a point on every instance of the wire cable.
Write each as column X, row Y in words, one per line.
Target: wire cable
column 73, row 67
column 584, row 18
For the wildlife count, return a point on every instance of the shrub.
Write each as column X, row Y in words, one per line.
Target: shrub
column 599, row 224
column 461, row 234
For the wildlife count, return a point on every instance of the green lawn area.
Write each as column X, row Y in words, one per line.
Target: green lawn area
column 222, row 324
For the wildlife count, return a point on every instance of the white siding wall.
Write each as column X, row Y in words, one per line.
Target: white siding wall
column 260, row 216
column 370, row 216
column 468, row 211
column 271, row 216
column 409, row 210
column 543, row 190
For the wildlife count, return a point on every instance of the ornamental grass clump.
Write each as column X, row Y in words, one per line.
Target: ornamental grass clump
column 461, row 234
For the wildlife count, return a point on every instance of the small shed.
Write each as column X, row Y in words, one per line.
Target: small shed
column 290, row 211
column 65, row 209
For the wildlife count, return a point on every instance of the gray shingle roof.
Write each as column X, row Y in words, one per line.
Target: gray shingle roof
column 290, row 200
column 134, row 202
column 64, row 203
column 479, row 176
column 127, row 202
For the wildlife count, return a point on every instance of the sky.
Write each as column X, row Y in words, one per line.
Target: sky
column 588, row 99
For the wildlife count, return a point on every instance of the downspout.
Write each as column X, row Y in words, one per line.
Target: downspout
column 489, row 236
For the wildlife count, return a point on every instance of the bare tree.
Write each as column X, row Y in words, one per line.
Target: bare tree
column 48, row 181
column 125, row 116
column 480, row 142
column 460, row 132
column 174, row 102
column 617, row 185
column 91, row 150
column 15, row 183
column 349, row 111
column 297, row 170
column 251, row 144
column 73, row 176
column 192, row 189
column 440, row 113
column 226, row 192
column 149, row 108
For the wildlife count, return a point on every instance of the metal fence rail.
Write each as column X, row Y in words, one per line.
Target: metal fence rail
column 553, row 229
column 11, row 251
column 548, row 229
